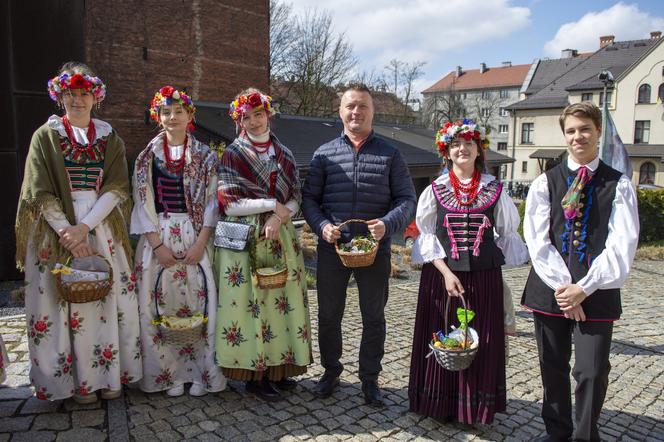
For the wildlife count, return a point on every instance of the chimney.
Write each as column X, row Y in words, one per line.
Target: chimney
column 606, row 40
column 507, row 64
column 458, row 71
column 482, row 68
column 568, row 53
column 654, row 35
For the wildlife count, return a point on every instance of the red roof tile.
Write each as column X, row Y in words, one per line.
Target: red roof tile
column 501, row 76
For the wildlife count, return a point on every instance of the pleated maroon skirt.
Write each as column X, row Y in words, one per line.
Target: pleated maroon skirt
column 473, row 395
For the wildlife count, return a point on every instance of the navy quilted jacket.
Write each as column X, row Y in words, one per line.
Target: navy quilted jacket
column 343, row 184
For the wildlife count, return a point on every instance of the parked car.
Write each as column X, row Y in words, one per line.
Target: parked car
column 410, row 234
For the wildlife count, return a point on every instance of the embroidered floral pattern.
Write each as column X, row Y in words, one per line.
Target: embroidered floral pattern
column 83, row 389
column 111, row 247
column 129, row 283
column 176, row 233
column 165, row 378
column 76, row 323
column 43, row 256
column 275, row 248
column 266, row 332
column 187, row 353
column 282, row 305
column 234, row 275
column 233, row 335
column 260, row 363
column 254, row 308
column 104, row 357
column 39, row 329
column 43, row 394
column 303, row 333
column 288, row 357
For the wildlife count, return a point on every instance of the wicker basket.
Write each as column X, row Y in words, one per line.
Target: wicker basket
column 274, row 280
column 79, row 292
column 181, row 336
column 454, row 360
column 354, row 260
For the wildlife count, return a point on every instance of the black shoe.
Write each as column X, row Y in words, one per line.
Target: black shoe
column 326, row 385
column 549, row 438
column 286, row 384
column 263, row 390
column 372, row 394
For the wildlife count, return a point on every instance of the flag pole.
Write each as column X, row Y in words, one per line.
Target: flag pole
column 606, row 77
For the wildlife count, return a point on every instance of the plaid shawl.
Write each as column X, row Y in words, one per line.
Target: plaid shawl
column 199, row 178
column 242, row 174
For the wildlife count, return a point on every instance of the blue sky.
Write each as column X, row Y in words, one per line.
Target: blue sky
column 447, row 33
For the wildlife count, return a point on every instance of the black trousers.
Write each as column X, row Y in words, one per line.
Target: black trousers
column 592, row 343
column 331, row 282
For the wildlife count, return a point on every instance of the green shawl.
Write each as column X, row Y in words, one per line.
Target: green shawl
column 45, row 182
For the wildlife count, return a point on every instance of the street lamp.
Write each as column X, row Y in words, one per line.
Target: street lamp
column 606, row 77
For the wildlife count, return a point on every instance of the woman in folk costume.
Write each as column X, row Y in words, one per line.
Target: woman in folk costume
column 457, row 215
column 175, row 211
column 75, row 201
column 262, row 335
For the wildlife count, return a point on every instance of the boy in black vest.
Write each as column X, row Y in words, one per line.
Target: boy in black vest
column 581, row 227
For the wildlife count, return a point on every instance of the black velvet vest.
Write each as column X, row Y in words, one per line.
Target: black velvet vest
column 466, row 232
column 168, row 189
column 584, row 237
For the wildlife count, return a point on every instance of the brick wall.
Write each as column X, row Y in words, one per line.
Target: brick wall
column 212, row 48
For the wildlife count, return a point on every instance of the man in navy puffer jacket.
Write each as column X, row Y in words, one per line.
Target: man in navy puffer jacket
column 357, row 175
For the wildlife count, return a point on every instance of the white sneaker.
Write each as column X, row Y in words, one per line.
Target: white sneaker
column 197, row 390
column 176, row 391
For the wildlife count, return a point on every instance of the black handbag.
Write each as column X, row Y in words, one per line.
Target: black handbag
column 232, row 235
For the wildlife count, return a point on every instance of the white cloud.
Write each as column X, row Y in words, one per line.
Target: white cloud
column 418, row 30
column 625, row 22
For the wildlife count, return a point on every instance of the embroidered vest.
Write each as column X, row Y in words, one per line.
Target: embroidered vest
column 466, row 232
column 85, row 168
column 579, row 241
column 168, row 189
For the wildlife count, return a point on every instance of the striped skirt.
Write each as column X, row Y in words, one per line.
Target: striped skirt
column 473, row 395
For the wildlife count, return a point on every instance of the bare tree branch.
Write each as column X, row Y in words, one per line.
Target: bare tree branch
column 281, row 36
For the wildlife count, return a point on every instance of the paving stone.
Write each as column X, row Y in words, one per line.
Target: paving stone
column 34, row 436
column 88, row 418
column 52, row 421
column 169, row 435
column 81, row 435
column 15, row 393
column 34, row 405
column 209, row 426
column 20, row 423
column 8, row 408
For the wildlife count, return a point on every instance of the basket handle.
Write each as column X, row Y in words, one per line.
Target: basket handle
column 156, row 286
column 348, row 221
column 283, row 249
column 447, row 311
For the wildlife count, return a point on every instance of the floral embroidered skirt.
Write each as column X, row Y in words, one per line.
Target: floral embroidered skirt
column 181, row 292
column 469, row 396
column 81, row 348
column 262, row 331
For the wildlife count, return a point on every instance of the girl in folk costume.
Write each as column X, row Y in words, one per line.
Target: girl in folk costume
column 75, row 201
column 175, row 211
column 457, row 215
column 262, row 335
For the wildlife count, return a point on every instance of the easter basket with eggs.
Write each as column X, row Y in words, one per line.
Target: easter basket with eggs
column 360, row 251
column 455, row 348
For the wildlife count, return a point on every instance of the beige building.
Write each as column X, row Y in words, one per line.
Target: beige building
column 537, row 143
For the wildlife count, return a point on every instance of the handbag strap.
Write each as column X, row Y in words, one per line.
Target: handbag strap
column 156, row 286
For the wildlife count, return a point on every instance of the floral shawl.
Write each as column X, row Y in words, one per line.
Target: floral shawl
column 199, row 178
column 242, row 174
column 46, row 182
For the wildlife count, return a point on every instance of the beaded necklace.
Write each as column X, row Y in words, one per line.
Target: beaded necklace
column 174, row 166
column 465, row 194
column 78, row 148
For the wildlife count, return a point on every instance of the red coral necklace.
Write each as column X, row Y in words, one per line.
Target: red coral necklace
column 465, row 194
column 78, row 147
column 174, row 166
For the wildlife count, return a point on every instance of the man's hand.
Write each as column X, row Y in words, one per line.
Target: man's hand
column 377, row 228
column 576, row 314
column 331, row 233
column 569, row 296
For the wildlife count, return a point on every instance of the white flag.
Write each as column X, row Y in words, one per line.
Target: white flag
column 613, row 150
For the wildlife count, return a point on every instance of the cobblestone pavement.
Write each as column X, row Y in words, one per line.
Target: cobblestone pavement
column 634, row 407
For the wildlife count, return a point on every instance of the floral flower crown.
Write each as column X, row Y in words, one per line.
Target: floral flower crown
column 466, row 129
column 166, row 96
column 244, row 103
column 58, row 84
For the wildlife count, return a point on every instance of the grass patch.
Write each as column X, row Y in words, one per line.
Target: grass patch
column 653, row 251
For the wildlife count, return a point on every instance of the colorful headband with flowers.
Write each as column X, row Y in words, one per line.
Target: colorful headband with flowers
column 466, row 129
column 167, row 96
column 57, row 85
column 245, row 103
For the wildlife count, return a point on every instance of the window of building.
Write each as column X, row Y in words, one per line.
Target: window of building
column 502, row 146
column 486, row 95
column 485, row 112
column 647, row 173
column 660, row 92
column 504, row 93
column 641, row 132
column 527, row 133
column 609, row 97
column 504, row 112
column 644, row 93
column 464, row 95
column 503, row 128
column 587, row 96
column 524, row 166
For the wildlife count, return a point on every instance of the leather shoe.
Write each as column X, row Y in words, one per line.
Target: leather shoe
column 263, row 389
column 326, row 385
column 286, row 384
column 372, row 394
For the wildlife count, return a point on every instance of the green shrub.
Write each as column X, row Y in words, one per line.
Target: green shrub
column 651, row 215
column 522, row 213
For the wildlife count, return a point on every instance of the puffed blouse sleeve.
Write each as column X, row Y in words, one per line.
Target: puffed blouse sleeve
column 507, row 222
column 427, row 247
